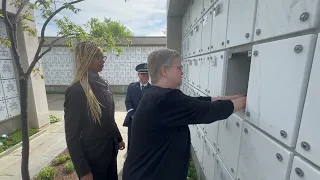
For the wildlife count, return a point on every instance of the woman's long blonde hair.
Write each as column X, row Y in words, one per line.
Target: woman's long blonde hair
column 84, row 54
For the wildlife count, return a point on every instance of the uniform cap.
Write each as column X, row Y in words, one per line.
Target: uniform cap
column 142, row 68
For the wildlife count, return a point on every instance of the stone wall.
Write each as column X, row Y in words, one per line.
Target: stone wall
column 119, row 71
column 9, row 97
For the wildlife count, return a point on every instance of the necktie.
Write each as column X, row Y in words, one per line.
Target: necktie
column 142, row 87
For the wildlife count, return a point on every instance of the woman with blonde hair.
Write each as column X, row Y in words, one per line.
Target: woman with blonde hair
column 93, row 138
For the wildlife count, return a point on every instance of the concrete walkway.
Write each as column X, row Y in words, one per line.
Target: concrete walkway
column 45, row 147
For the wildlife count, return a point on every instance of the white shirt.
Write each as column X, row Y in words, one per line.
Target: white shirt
column 143, row 85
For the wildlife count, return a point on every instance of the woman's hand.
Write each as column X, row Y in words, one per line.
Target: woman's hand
column 122, row 145
column 228, row 97
column 239, row 103
column 87, row 177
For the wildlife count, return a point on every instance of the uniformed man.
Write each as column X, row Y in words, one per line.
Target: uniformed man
column 134, row 95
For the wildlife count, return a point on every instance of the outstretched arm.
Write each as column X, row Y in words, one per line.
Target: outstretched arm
column 180, row 110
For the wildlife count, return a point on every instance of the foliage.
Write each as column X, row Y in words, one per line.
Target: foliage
column 54, row 119
column 106, row 33
column 69, row 167
column 192, row 173
column 61, row 159
column 46, row 173
column 15, row 138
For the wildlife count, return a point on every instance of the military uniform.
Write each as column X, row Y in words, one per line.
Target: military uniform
column 133, row 97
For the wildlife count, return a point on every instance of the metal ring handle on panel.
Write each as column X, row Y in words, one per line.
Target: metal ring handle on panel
column 299, row 172
column 279, row 157
column 248, row 113
column 283, row 133
column 258, row 31
column 298, row 48
column 232, row 170
column 305, row 145
column 304, row 16
column 245, row 130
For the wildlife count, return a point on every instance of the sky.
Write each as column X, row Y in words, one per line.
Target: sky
column 142, row 17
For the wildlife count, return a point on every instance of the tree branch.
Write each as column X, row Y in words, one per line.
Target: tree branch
column 36, row 57
column 20, row 10
column 11, row 35
column 51, row 45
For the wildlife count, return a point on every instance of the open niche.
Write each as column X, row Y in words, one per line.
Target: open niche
column 237, row 74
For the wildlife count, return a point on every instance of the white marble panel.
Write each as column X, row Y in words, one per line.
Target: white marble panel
column 6, row 69
column 3, row 111
column 13, row 106
column 1, row 92
column 3, row 30
column 5, row 52
column 9, row 88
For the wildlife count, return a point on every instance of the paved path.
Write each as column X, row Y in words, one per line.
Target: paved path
column 45, row 147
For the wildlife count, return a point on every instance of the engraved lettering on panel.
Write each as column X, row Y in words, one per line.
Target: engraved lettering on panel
column 3, row 111
column 1, row 92
column 3, row 29
column 6, row 69
column 9, row 88
column 13, row 106
column 5, row 52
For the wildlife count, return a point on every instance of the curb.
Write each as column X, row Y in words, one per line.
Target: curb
column 48, row 164
column 15, row 147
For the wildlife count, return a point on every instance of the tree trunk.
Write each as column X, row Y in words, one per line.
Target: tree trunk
column 25, row 128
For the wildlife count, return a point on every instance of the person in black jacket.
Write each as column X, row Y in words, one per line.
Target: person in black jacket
column 134, row 95
column 160, row 139
column 92, row 136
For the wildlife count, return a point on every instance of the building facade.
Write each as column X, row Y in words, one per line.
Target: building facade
column 119, row 71
column 269, row 50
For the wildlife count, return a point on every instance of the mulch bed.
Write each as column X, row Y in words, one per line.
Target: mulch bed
column 60, row 173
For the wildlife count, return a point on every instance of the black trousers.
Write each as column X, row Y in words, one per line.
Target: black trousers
column 108, row 173
column 105, row 169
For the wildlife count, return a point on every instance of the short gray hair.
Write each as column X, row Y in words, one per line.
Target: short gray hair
column 158, row 59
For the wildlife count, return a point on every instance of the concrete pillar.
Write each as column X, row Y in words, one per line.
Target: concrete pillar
column 38, row 113
column 174, row 33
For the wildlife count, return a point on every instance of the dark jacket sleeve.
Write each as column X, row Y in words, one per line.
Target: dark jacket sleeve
column 180, row 109
column 129, row 107
column 73, row 106
column 128, row 100
column 118, row 131
column 203, row 98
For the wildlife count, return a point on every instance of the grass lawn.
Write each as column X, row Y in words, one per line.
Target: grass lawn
column 15, row 138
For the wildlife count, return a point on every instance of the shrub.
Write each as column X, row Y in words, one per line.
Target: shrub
column 46, row 174
column 69, row 168
column 61, row 159
column 54, row 119
column 192, row 173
